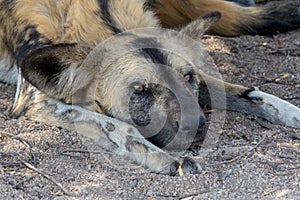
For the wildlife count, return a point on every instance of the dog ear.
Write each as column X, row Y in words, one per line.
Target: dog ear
column 198, row 27
column 57, row 70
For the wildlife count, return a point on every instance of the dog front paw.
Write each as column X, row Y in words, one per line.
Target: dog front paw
column 184, row 166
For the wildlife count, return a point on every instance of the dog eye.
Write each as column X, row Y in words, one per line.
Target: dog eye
column 139, row 88
column 188, row 77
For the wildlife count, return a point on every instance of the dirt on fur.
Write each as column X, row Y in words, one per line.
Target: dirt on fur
column 253, row 159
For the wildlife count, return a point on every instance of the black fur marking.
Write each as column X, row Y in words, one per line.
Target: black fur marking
column 48, row 70
column 42, row 66
column 99, row 104
column 7, row 9
column 214, row 14
column 70, row 114
column 150, row 49
column 276, row 17
column 244, row 2
column 245, row 95
column 155, row 55
column 131, row 144
column 150, row 5
column 110, row 127
column 105, row 13
column 139, row 107
column 34, row 41
column 113, row 145
column 174, row 168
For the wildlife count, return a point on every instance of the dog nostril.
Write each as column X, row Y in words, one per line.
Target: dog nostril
column 177, row 124
column 202, row 121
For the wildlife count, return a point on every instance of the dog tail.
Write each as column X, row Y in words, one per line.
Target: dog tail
column 268, row 19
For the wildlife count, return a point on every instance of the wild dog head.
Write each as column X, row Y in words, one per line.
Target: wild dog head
column 148, row 78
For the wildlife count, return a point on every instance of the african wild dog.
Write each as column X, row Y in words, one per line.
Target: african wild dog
column 70, row 73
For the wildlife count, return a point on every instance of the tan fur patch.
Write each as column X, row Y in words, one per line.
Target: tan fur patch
column 176, row 12
column 64, row 21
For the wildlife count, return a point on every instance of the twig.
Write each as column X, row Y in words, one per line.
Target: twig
column 285, row 49
column 241, row 155
column 26, row 143
column 184, row 197
column 264, row 124
column 92, row 152
column 192, row 196
column 279, row 166
column 11, row 164
column 33, row 168
column 80, row 151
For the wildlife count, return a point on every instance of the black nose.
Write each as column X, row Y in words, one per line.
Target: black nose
column 189, row 125
column 202, row 121
column 201, row 125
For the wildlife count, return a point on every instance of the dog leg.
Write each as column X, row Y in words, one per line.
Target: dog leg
column 248, row 100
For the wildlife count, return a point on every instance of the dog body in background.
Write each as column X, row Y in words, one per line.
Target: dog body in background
column 70, row 74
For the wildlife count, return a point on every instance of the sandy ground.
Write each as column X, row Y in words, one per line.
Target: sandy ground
column 253, row 159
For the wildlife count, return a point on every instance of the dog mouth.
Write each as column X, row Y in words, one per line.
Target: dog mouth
column 191, row 143
column 197, row 143
column 173, row 140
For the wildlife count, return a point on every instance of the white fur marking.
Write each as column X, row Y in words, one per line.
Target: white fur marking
column 281, row 111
